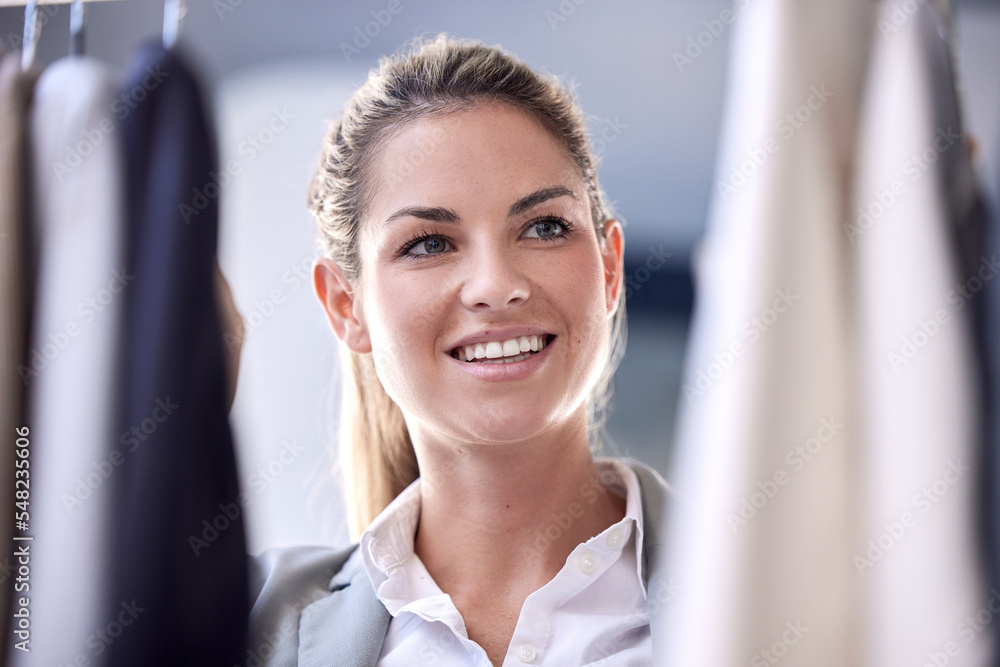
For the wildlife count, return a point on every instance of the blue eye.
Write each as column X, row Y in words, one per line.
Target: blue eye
column 554, row 226
column 433, row 244
column 547, row 228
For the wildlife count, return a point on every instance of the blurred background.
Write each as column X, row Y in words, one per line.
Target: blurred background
column 276, row 72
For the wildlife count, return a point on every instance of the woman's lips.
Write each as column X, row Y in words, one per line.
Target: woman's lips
column 511, row 350
column 507, row 372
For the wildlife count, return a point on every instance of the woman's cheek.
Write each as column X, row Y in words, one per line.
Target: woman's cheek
column 404, row 344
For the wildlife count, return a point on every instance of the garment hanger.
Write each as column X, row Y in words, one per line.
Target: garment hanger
column 76, row 28
column 173, row 12
column 31, row 33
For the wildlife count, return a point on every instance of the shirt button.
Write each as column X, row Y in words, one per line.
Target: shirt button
column 526, row 653
column 587, row 563
column 614, row 538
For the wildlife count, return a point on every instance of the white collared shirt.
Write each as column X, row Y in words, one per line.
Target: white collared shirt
column 593, row 612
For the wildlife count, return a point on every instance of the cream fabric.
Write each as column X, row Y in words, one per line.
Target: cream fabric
column 798, row 442
column 78, row 174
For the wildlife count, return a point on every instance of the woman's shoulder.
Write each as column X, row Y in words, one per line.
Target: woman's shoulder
column 296, row 566
column 284, row 581
column 655, row 491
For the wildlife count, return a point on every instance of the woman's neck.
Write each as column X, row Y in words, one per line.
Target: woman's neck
column 500, row 520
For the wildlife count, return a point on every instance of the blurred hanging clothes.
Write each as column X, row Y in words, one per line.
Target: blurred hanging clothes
column 16, row 281
column 803, row 452
column 178, row 559
column 918, row 389
column 78, row 189
column 987, row 311
column 764, row 548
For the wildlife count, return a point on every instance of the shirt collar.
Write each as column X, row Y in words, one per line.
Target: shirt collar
column 387, row 544
column 620, row 477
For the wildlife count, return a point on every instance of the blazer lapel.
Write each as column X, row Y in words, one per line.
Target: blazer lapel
column 659, row 587
column 347, row 627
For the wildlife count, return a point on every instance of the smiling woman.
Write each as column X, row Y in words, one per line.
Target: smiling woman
column 472, row 274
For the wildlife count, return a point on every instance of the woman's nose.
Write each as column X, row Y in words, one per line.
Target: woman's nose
column 495, row 278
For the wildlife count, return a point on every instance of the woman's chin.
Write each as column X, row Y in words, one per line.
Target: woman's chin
column 500, row 429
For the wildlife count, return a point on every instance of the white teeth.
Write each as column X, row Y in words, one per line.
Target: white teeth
column 503, row 351
column 507, row 360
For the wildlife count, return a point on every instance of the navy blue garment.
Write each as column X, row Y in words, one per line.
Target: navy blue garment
column 987, row 313
column 178, row 563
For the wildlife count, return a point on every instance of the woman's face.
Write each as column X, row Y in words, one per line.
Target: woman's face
column 480, row 228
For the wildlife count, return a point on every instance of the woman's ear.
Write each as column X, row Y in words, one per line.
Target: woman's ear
column 613, row 256
column 343, row 309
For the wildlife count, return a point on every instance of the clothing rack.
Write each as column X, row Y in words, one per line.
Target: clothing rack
column 22, row 3
column 173, row 12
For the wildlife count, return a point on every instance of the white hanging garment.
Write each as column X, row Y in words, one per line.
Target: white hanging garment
column 766, row 446
column 78, row 180
column 917, row 393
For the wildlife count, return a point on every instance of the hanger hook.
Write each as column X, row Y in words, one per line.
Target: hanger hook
column 30, row 35
column 173, row 12
column 76, row 28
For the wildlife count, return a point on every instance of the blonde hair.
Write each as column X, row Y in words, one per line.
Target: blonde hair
column 433, row 77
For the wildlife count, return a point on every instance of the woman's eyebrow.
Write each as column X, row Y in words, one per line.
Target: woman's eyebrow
column 441, row 214
column 434, row 213
column 535, row 198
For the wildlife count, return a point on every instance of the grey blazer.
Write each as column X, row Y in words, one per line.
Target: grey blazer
column 316, row 607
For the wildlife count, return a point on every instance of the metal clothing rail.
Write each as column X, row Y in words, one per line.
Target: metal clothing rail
column 173, row 11
column 22, row 3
